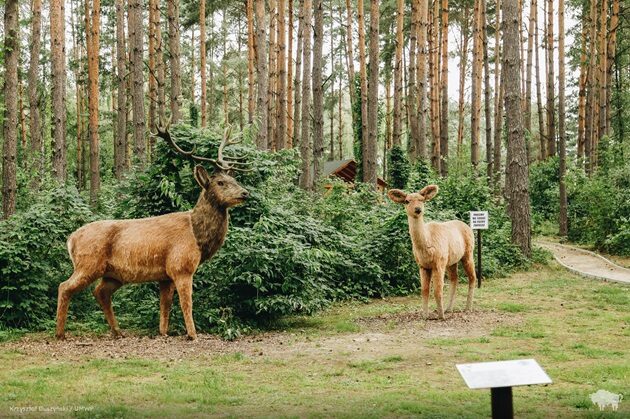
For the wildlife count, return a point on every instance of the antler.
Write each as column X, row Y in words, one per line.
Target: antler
column 232, row 162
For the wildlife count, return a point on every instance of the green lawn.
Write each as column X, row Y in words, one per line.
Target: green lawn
column 369, row 360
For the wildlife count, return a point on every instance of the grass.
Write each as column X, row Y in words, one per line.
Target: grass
column 338, row 364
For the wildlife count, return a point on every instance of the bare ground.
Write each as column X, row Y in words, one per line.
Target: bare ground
column 381, row 335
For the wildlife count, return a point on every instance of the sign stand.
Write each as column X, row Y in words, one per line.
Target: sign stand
column 479, row 221
column 500, row 377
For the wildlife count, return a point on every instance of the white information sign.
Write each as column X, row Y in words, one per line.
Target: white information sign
column 522, row 372
column 479, row 220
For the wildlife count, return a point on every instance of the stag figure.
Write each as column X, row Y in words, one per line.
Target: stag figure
column 436, row 247
column 167, row 248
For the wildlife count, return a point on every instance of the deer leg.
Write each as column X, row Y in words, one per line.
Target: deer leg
column 469, row 267
column 103, row 294
column 167, row 289
column 184, row 290
column 452, row 275
column 425, row 284
column 437, row 276
column 67, row 289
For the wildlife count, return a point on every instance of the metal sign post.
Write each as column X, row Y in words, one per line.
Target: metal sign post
column 500, row 377
column 479, row 221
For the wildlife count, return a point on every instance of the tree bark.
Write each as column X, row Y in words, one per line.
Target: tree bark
column 202, row 61
column 58, row 93
column 487, row 100
column 364, row 90
column 539, row 107
column 444, row 82
column 174, row 47
column 582, row 95
column 611, row 50
column 412, row 101
column 563, row 219
column 517, row 181
column 120, row 140
column 289, row 79
column 434, row 86
column 476, row 83
column 550, row 93
column 533, row 16
column 398, row 84
column 282, row 79
column 422, row 78
column 498, row 100
column 297, row 103
column 603, row 69
column 590, row 125
column 33, row 92
column 9, row 154
column 318, row 94
column 152, row 123
column 135, row 33
column 92, row 24
column 306, row 179
column 369, row 160
column 251, row 99
column 261, row 64
column 350, row 53
column 463, row 67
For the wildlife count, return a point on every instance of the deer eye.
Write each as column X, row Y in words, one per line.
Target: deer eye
column 406, row 201
column 220, row 183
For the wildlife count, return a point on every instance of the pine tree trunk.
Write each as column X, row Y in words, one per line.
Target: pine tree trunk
column 251, row 98
column 498, row 100
column 282, row 79
column 433, row 88
column 297, row 102
column 444, row 82
column 487, row 100
column 476, row 83
column 33, row 92
column 364, row 90
column 318, row 94
column 174, row 48
column 76, row 57
column 563, row 219
column 9, row 154
column 92, row 18
column 551, row 114
column 603, row 69
column 120, row 140
column 289, row 79
column 423, row 23
column 135, row 32
column 539, row 107
column 517, row 182
column 306, row 179
column 370, row 166
column 159, row 63
column 533, row 12
column 412, row 69
column 463, row 67
column 398, row 84
column 611, row 50
column 202, row 59
column 582, row 95
column 350, row 55
column 589, row 126
column 261, row 64
column 152, row 123
column 58, row 93
column 273, row 75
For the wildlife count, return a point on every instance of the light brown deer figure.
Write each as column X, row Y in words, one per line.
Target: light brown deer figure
column 167, row 248
column 437, row 247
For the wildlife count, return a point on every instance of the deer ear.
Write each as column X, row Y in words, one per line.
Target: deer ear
column 429, row 192
column 397, row 195
column 202, row 177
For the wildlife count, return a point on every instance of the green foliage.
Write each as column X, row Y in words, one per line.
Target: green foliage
column 33, row 256
column 398, row 167
column 599, row 209
column 357, row 128
column 543, row 190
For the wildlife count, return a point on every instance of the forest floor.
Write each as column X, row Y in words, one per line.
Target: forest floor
column 375, row 359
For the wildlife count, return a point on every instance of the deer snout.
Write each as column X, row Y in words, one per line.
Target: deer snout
column 245, row 194
column 417, row 210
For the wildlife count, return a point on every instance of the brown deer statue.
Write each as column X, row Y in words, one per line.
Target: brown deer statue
column 437, row 247
column 167, row 248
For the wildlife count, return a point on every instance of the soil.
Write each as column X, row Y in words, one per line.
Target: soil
column 587, row 263
column 382, row 335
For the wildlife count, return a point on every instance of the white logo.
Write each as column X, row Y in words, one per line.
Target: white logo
column 603, row 399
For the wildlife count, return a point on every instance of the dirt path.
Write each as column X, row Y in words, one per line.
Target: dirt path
column 586, row 263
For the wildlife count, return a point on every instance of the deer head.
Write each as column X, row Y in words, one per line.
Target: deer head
column 219, row 187
column 414, row 202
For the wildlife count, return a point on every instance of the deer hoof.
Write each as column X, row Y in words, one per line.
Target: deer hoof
column 60, row 336
column 189, row 337
column 117, row 334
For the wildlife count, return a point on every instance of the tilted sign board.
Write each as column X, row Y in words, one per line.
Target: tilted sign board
column 479, row 220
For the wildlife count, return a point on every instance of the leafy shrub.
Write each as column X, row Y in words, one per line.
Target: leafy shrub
column 34, row 258
column 398, row 167
column 543, row 190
